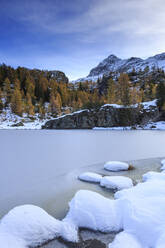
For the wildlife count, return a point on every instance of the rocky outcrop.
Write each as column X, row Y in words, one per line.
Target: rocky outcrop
column 106, row 116
column 59, row 76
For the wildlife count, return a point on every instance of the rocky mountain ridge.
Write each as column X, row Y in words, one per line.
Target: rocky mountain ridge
column 114, row 64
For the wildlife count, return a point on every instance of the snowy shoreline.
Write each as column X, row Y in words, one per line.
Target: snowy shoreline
column 93, row 211
column 9, row 120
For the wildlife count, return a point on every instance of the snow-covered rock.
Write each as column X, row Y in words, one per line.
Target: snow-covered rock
column 163, row 164
column 116, row 182
column 9, row 241
column 116, row 166
column 145, row 218
column 31, row 226
column 90, row 177
column 91, row 210
column 152, row 175
column 162, row 161
column 161, row 241
column 138, row 211
column 143, row 212
column 125, row 240
column 143, row 190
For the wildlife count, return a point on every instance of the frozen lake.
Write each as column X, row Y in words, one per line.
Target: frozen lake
column 40, row 167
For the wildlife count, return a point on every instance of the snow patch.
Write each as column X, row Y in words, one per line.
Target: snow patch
column 149, row 104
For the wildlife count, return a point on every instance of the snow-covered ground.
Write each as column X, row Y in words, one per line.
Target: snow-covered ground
column 8, row 120
column 145, row 105
column 160, row 125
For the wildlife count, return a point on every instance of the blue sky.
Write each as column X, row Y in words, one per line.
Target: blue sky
column 75, row 35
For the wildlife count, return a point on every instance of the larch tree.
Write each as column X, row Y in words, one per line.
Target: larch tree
column 7, row 90
column 16, row 102
column 111, row 94
column 29, row 105
column 1, row 101
column 123, row 89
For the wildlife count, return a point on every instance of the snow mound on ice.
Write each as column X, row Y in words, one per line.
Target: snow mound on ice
column 116, row 182
column 90, row 177
column 125, row 240
column 116, row 166
column 91, row 210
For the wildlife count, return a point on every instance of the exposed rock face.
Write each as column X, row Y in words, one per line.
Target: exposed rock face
column 106, row 116
column 58, row 75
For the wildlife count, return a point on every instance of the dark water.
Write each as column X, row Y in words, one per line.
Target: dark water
column 41, row 167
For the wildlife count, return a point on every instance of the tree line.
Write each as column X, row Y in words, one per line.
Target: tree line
column 36, row 91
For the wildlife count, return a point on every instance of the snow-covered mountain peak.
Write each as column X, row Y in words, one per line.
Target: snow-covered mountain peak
column 114, row 64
